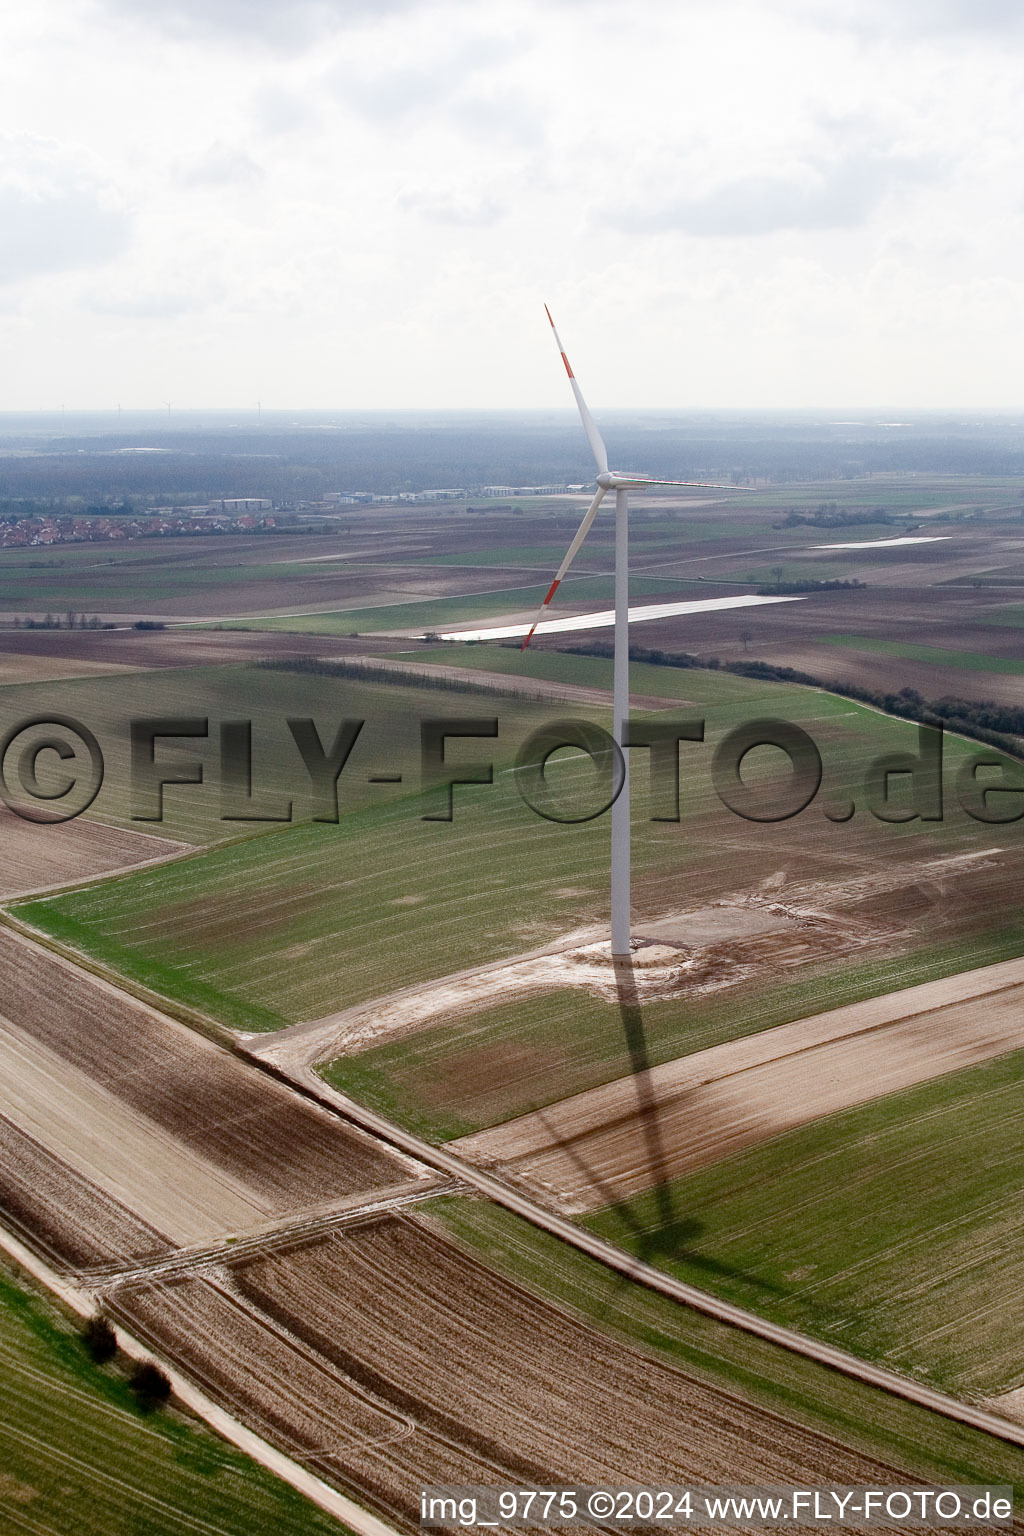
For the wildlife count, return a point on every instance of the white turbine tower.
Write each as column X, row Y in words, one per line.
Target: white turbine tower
column 607, row 480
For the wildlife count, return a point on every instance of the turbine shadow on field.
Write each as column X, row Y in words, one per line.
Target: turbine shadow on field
column 668, row 1231
column 660, row 1235
column 646, row 1098
column 671, row 1235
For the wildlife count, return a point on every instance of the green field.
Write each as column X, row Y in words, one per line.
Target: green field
column 919, row 492
column 687, row 685
column 546, row 556
column 559, row 1043
column 112, row 577
column 900, row 1434
column 388, row 742
column 845, row 535
column 803, row 568
column 971, row 661
column 305, row 920
column 80, row 1459
column 438, row 612
column 1010, row 617
column 647, row 535
column 894, row 1230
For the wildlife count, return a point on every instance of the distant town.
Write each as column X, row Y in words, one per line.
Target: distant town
column 243, row 514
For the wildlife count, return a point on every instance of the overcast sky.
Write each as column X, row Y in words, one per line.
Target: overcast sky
column 344, row 204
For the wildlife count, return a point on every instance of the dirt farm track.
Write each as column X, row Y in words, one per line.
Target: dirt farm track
column 374, row 1349
column 178, row 1140
column 366, row 1343
column 387, row 1358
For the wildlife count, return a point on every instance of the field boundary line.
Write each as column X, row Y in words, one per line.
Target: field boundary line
column 168, row 1007
column 619, row 1260
column 82, row 1303
column 181, row 851
column 288, row 1230
column 704, row 1074
column 314, row 1088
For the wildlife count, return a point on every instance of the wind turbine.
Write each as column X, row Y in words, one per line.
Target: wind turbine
column 607, row 480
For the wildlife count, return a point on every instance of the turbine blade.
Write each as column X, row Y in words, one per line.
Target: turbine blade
column 570, row 556
column 594, row 437
column 709, row 485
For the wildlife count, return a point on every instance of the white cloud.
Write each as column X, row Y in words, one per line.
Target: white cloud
column 292, row 25
column 811, row 197
column 471, row 210
column 1003, row 19
column 56, row 213
column 221, row 166
column 330, row 203
column 146, row 306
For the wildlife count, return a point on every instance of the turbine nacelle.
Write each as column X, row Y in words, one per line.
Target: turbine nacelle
column 607, row 480
column 610, row 481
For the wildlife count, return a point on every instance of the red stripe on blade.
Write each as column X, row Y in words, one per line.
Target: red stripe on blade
column 565, row 360
column 551, row 592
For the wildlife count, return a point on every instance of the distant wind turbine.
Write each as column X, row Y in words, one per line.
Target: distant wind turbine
column 621, row 485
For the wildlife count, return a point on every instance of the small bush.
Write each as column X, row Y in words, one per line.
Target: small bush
column 99, row 1339
column 149, row 1384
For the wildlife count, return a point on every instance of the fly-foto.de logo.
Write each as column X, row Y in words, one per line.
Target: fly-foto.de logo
column 52, row 769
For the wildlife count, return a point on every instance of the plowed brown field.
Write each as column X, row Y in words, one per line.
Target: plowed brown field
column 392, row 1360
column 63, row 1215
column 189, row 1137
column 35, row 858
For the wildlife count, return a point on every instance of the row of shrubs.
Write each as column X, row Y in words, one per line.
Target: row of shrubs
column 808, row 584
column 997, row 725
column 367, row 672
column 148, row 1382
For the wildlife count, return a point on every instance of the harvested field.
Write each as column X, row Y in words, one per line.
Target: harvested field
column 34, row 858
column 124, row 650
column 946, row 620
column 391, row 1358
column 611, row 1142
column 193, row 1139
column 870, row 669
column 59, row 1212
column 38, row 668
column 169, row 1186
